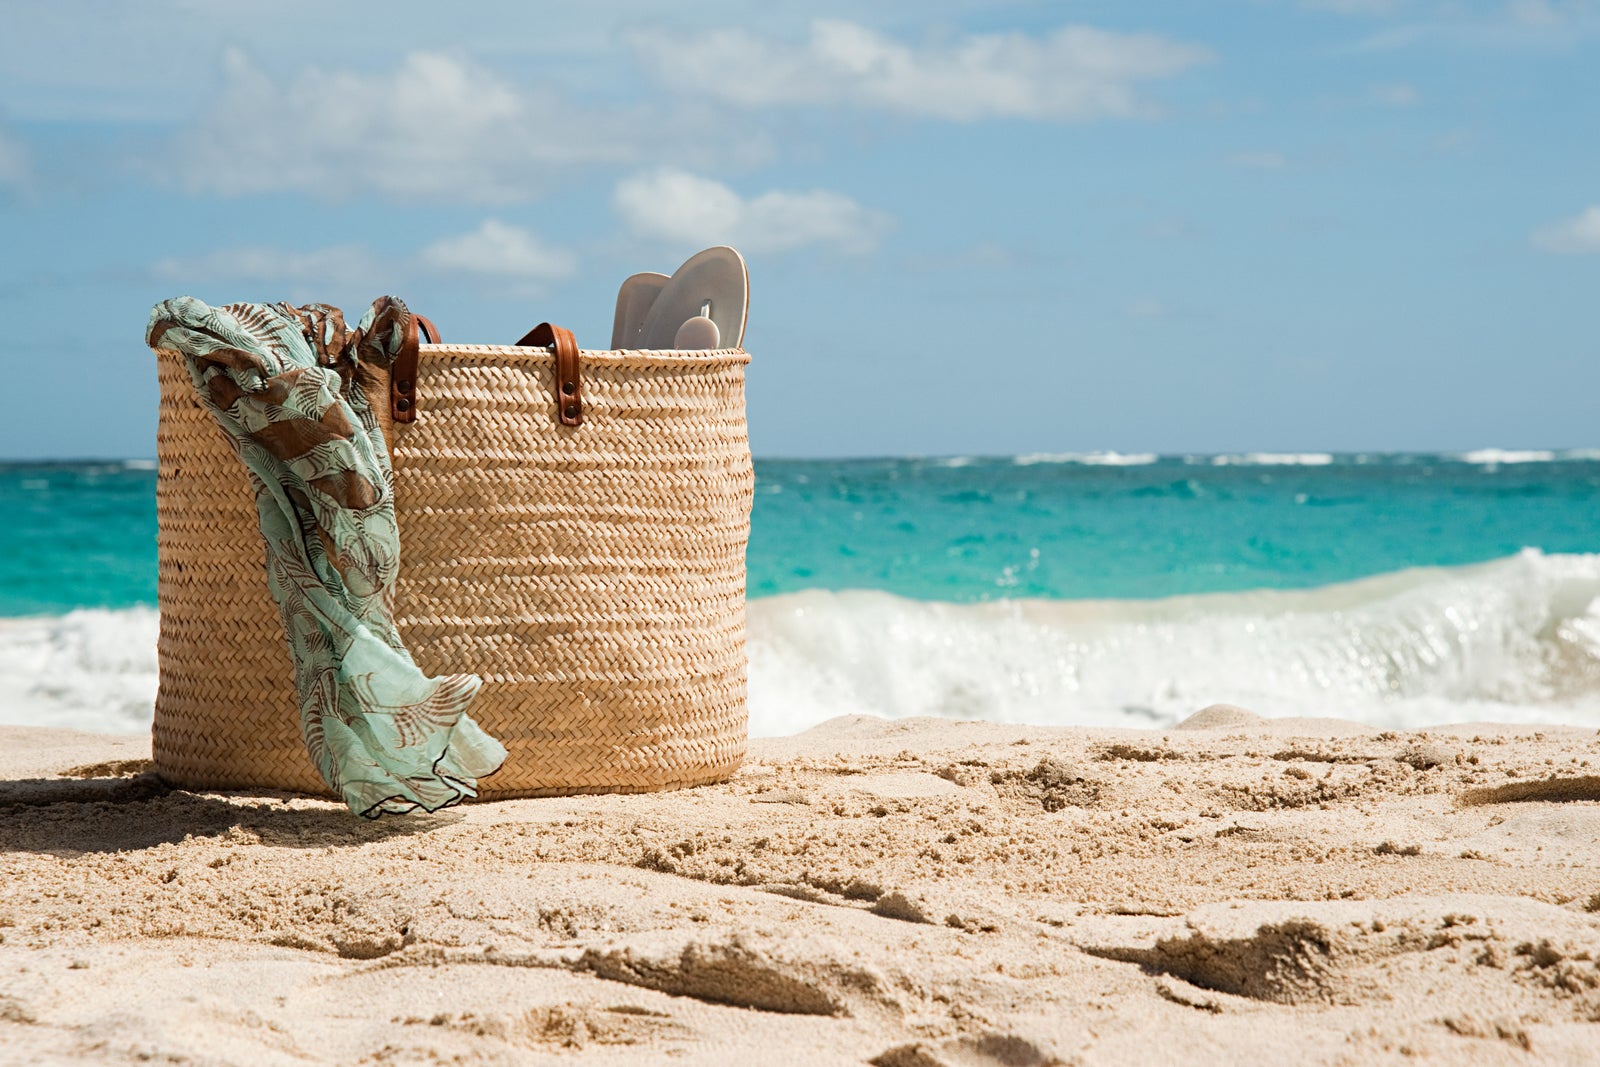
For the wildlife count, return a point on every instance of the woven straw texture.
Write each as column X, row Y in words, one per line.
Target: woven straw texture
column 592, row 575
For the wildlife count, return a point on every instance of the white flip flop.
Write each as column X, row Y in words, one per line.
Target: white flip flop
column 714, row 284
column 634, row 300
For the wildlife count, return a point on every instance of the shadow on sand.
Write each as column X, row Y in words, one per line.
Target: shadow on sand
column 123, row 812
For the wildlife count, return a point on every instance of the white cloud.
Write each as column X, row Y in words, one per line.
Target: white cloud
column 436, row 126
column 499, row 250
column 1075, row 72
column 1573, row 236
column 682, row 208
column 494, row 250
column 439, row 126
column 1259, row 160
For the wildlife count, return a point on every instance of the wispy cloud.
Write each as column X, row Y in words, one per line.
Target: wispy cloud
column 1515, row 24
column 444, row 127
column 495, row 250
column 499, row 250
column 1354, row 7
column 1577, row 235
column 1259, row 160
column 435, row 127
column 1549, row 13
column 1149, row 308
column 681, row 208
column 1395, row 94
column 16, row 162
column 1073, row 73
column 338, row 265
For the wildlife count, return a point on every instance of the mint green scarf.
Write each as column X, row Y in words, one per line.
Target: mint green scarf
column 282, row 383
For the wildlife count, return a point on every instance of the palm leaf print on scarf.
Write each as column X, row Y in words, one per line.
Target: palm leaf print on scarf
column 282, row 383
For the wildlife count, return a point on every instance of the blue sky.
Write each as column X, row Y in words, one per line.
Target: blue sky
column 972, row 228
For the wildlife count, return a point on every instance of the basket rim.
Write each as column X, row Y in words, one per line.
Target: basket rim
column 674, row 357
column 516, row 354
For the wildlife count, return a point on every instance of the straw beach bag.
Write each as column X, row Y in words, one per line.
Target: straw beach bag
column 573, row 529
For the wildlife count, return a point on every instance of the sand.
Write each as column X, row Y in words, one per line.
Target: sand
column 905, row 894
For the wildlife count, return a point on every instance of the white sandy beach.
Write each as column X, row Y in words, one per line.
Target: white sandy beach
column 904, row 894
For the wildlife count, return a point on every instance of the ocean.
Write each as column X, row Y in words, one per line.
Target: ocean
column 1103, row 589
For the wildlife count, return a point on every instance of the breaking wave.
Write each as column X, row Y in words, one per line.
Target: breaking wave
column 90, row 669
column 1274, row 459
column 1088, row 459
column 1514, row 640
column 1494, row 457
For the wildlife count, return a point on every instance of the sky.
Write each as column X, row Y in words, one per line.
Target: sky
column 972, row 228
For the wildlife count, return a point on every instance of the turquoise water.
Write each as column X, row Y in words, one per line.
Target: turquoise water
column 982, row 529
column 1398, row 590
column 78, row 535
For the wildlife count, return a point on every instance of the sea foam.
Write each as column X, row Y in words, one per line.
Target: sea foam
column 1513, row 640
column 1495, row 457
column 90, row 669
column 1490, row 457
column 1274, row 459
column 1517, row 639
column 1088, row 459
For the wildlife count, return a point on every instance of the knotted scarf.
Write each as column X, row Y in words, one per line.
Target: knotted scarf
column 283, row 384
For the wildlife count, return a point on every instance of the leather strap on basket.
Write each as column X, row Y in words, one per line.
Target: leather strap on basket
column 403, row 371
column 568, row 382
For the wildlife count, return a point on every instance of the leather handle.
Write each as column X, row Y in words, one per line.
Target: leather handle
column 403, row 371
column 568, row 382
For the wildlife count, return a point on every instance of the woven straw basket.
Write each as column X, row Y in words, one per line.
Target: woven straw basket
column 592, row 574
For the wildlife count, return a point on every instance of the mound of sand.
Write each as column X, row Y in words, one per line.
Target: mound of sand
column 906, row 894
